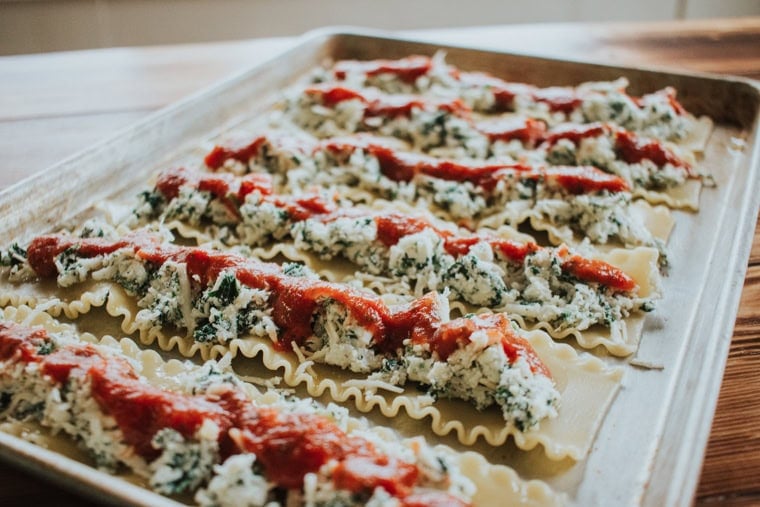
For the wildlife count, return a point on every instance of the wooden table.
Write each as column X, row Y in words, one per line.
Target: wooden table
column 52, row 105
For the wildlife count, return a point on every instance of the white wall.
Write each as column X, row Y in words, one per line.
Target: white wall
column 45, row 25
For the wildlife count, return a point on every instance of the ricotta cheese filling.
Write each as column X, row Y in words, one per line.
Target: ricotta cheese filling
column 655, row 114
column 218, row 297
column 534, row 286
column 514, row 195
column 441, row 128
column 202, row 448
column 619, row 152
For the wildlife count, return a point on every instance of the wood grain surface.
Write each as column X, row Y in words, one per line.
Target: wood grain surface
column 53, row 105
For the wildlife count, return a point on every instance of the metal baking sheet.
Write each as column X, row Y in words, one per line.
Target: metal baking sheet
column 651, row 445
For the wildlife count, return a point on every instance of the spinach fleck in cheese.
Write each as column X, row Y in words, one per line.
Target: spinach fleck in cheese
column 183, row 465
column 353, row 238
column 261, row 221
column 237, row 481
column 479, row 372
column 229, row 309
column 166, row 300
column 480, row 276
column 339, row 340
column 482, row 374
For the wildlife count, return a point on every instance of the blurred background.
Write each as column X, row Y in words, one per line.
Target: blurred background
column 32, row 26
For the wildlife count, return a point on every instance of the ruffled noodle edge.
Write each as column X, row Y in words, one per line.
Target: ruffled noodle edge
column 495, row 483
column 684, row 196
column 95, row 297
column 622, row 339
column 657, row 219
column 587, row 386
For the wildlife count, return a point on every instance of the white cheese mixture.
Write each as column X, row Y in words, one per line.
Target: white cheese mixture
column 599, row 152
column 652, row 114
column 537, row 288
column 187, row 465
column 479, row 373
column 226, row 310
column 437, row 132
column 480, row 277
column 603, row 217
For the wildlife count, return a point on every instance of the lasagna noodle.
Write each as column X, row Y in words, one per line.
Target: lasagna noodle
column 518, row 211
column 586, row 384
column 71, row 302
column 495, row 483
column 621, row 339
column 696, row 141
column 684, row 196
column 657, row 219
column 700, row 127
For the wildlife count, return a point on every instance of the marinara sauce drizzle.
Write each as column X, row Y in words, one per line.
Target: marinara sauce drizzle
column 407, row 69
column 232, row 191
column 403, row 166
column 563, row 99
column 288, row 446
column 528, row 131
column 628, row 146
column 384, row 105
column 391, row 227
column 294, row 300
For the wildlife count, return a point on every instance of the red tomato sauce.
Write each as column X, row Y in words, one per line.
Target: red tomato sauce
column 633, row 150
column 394, row 226
column 384, row 105
column 594, row 270
column 558, row 98
column 575, row 133
column 452, row 335
column 219, row 155
column 504, row 92
column 528, row 131
column 407, row 69
column 293, row 299
column 629, row 147
column 232, row 191
column 431, row 499
column 288, row 446
column 582, row 179
column 222, row 185
column 401, row 166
